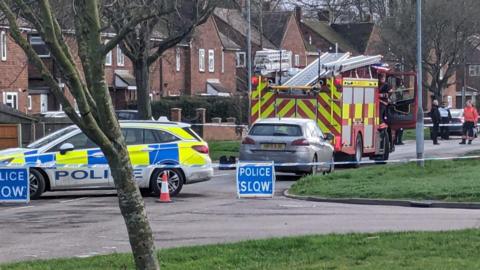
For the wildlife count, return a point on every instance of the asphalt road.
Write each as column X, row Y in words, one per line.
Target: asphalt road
column 86, row 223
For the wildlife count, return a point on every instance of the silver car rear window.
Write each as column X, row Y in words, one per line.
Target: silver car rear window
column 276, row 130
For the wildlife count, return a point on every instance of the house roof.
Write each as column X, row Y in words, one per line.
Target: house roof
column 323, row 29
column 358, row 34
column 274, row 24
column 228, row 43
column 232, row 24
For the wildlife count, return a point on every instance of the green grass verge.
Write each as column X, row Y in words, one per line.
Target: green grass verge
column 223, row 148
column 439, row 180
column 407, row 250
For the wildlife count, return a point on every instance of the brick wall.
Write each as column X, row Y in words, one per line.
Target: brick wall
column 14, row 73
column 293, row 41
column 218, row 132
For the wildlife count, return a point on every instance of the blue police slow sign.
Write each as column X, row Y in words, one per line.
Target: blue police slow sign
column 14, row 185
column 255, row 180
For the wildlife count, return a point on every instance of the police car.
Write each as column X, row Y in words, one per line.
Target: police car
column 68, row 159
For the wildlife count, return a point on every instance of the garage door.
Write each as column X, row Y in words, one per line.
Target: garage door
column 9, row 136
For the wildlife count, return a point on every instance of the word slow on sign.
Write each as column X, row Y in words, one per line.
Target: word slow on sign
column 14, row 185
column 255, row 180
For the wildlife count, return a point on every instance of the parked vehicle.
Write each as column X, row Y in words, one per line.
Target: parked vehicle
column 127, row 114
column 288, row 140
column 61, row 160
column 456, row 123
column 340, row 94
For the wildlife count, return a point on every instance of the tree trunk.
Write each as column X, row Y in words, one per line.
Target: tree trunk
column 133, row 211
column 142, row 79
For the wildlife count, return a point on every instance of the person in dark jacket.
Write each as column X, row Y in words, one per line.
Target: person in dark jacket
column 435, row 115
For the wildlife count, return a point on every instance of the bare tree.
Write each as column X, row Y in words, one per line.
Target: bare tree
column 447, row 26
column 86, row 82
column 175, row 21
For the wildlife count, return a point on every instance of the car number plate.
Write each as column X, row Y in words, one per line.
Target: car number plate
column 273, row 146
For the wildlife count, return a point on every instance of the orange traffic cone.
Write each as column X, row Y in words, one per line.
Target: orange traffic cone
column 164, row 194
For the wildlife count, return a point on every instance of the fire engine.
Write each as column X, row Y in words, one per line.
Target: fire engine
column 341, row 93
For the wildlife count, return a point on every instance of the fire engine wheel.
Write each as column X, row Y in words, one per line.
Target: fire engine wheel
column 357, row 158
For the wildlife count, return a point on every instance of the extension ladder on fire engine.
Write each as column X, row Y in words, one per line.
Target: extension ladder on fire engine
column 331, row 64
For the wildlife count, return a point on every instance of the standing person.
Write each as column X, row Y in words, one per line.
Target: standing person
column 435, row 115
column 445, row 118
column 384, row 91
column 470, row 115
column 398, row 137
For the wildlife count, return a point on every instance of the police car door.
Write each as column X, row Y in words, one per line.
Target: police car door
column 79, row 163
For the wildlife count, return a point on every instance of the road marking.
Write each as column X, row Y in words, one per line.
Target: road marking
column 17, row 208
column 73, row 200
column 223, row 174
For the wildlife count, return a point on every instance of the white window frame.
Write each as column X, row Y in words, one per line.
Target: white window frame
column 9, row 100
column 108, row 57
column 211, row 61
column 223, row 61
column 177, row 59
column 241, row 59
column 29, row 102
column 297, row 60
column 201, row 60
column 3, row 46
column 474, row 70
column 37, row 40
column 120, row 57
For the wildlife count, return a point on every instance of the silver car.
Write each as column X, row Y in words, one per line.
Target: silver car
column 289, row 140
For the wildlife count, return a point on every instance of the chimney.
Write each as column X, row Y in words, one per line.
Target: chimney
column 298, row 13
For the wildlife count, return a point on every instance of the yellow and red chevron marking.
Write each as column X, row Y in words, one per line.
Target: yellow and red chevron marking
column 285, row 107
column 261, row 102
column 306, row 108
column 329, row 113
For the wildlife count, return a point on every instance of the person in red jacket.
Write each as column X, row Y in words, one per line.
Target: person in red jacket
column 470, row 116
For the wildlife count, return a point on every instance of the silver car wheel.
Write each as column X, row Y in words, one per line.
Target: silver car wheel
column 173, row 180
column 33, row 183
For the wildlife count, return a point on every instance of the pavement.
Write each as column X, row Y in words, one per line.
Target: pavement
column 87, row 223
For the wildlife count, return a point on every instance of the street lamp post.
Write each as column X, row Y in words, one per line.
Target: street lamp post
column 419, row 125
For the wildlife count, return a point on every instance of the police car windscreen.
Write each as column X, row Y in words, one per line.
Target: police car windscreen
column 276, row 130
column 50, row 138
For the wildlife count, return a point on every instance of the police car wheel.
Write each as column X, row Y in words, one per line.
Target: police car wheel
column 175, row 181
column 37, row 184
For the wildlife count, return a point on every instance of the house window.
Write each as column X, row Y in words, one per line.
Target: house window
column 297, row 60
column 177, row 59
column 39, row 46
column 3, row 45
column 120, row 57
column 201, row 60
column 10, row 99
column 241, row 59
column 108, row 57
column 29, row 102
column 223, row 62
column 211, row 61
column 474, row 70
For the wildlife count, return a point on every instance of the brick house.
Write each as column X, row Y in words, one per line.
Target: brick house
column 202, row 64
column 232, row 27
column 282, row 29
column 14, row 74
